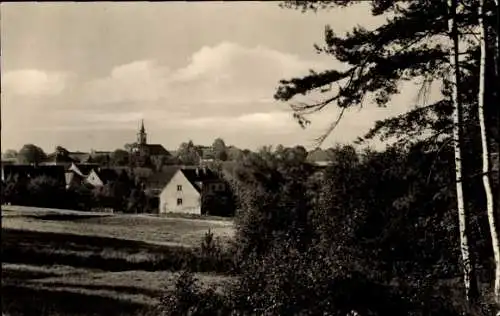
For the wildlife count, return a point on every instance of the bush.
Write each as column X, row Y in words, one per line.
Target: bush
column 376, row 237
column 188, row 298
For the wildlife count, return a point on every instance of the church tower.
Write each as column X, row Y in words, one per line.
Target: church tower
column 141, row 136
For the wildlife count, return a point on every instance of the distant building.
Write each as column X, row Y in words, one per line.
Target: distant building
column 76, row 174
column 60, row 157
column 186, row 190
column 63, row 157
column 205, row 153
column 100, row 177
column 142, row 147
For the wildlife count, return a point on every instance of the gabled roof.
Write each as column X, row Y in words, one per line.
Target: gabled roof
column 83, row 169
column 157, row 150
column 173, row 152
column 140, row 172
column 199, row 175
column 153, row 149
column 159, row 180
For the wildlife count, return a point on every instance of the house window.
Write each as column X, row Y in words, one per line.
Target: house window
column 179, row 188
column 179, row 201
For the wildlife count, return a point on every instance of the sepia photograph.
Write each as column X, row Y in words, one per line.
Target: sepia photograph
column 274, row 158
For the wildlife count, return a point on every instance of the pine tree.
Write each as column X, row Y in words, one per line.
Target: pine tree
column 409, row 46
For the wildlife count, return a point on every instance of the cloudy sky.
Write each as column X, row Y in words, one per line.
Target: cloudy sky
column 82, row 75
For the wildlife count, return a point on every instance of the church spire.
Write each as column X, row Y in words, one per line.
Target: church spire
column 141, row 136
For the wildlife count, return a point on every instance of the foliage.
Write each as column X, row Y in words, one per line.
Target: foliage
column 220, row 150
column 158, row 162
column 15, row 190
column 31, row 154
column 136, row 201
column 101, row 159
column 376, row 61
column 189, row 299
column 187, row 154
column 374, row 232
column 9, row 154
column 120, row 157
column 44, row 190
column 233, row 153
column 116, row 194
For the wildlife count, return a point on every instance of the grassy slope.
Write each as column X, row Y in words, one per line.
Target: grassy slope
column 110, row 264
column 158, row 230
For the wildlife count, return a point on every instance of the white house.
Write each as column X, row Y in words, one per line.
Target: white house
column 182, row 190
column 180, row 196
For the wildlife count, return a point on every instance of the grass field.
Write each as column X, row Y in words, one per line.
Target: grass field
column 76, row 263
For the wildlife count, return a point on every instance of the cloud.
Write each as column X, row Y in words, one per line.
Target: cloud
column 215, row 76
column 227, row 61
column 225, row 90
column 270, row 121
column 138, row 81
column 33, row 82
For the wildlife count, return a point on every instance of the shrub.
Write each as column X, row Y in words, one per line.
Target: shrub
column 188, row 298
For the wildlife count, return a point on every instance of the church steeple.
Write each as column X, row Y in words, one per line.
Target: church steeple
column 142, row 136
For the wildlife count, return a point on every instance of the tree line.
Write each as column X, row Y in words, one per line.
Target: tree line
column 122, row 194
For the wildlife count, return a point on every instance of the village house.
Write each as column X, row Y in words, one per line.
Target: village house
column 101, row 176
column 205, row 154
column 90, row 174
column 186, row 190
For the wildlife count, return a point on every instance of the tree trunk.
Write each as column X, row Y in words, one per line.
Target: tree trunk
column 489, row 170
column 457, row 124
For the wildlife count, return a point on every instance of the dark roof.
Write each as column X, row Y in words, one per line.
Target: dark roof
column 79, row 156
column 159, row 180
column 197, row 175
column 154, row 149
column 86, row 168
column 137, row 172
column 157, row 150
column 107, row 175
column 9, row 161
column 100, row 153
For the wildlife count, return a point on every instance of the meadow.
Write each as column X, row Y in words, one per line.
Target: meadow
column 80, row 263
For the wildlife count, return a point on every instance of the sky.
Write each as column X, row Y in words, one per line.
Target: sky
column 83, row 75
